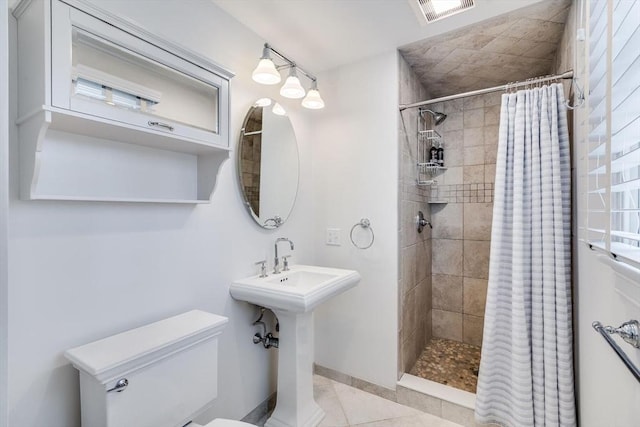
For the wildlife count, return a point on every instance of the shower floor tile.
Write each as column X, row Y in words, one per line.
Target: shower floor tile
column 449, row 362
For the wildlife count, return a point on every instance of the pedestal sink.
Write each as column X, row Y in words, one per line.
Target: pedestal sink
column 292, row 295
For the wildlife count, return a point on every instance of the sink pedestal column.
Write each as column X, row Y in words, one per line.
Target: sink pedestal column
column 295, row 406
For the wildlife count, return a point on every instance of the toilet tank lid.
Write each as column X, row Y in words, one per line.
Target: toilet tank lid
column 130, row 350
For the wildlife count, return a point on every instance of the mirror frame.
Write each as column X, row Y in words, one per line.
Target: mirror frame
column 277, row 221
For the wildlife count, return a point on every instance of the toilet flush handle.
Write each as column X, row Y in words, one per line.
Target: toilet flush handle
column 121, row 385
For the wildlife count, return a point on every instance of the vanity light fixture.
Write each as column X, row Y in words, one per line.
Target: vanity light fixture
column 266, row 71
column 313, row 100
column 292, row 87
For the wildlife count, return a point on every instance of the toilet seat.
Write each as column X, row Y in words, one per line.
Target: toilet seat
column 221, row 422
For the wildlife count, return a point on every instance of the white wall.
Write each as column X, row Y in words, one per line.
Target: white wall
column 4, row 201
column 608, row 394
column 82, row 271
column 355, row 170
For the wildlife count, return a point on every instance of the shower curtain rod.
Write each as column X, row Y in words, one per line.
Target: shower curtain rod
column 565, row 75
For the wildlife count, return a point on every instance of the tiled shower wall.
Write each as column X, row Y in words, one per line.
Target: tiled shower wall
column 251, row 156
column 414, row 285
column 462, row 227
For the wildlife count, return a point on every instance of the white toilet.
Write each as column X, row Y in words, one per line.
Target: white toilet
column 160, row 375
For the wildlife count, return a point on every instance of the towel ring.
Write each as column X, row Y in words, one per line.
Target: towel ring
column 366, row 224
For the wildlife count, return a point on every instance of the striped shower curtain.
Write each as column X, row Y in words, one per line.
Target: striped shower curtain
column 526, row 370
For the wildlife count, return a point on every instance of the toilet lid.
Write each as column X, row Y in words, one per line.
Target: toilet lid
column 221, row 422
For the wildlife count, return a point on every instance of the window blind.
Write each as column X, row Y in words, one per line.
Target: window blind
column 597, row 166
column 614, row 129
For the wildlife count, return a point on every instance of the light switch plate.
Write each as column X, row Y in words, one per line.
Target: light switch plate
column 333, row 237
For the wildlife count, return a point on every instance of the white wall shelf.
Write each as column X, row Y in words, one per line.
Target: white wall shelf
column 121, row 200
column 164, row 148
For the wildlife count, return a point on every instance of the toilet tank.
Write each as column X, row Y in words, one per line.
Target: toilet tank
column 170, row 367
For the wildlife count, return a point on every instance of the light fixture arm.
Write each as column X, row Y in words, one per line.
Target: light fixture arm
column 288, row 63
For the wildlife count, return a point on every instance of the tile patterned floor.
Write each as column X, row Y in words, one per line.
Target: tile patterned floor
column 449, row 362
column 347, row 406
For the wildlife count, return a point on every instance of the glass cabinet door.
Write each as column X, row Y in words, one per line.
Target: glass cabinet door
column 115, row 75
column 109, row 74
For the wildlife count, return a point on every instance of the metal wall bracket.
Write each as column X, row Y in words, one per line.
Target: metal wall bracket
column 628, row 329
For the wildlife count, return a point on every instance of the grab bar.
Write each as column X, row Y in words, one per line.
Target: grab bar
column 606, row 334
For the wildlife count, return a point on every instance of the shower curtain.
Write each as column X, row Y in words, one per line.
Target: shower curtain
column 526, row 370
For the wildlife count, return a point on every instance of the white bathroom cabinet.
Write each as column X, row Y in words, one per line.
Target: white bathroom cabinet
column 110, row 112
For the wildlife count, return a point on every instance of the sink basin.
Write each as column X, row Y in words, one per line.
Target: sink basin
column 301, row 289
column 292, row 295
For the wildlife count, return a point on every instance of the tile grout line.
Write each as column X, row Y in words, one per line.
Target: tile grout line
column 339, row 401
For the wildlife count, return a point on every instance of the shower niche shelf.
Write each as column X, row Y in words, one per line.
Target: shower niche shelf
column 434, row 185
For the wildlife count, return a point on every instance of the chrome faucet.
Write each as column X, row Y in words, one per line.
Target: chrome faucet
column 276, row 262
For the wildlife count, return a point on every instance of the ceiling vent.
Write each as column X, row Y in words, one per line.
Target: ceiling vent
column 434, row 10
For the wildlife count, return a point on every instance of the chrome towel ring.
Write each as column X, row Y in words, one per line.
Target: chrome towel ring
column 366, row 224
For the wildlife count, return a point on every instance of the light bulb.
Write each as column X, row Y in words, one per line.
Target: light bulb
column 292, row 87
column 266, row 73
column 313, row 100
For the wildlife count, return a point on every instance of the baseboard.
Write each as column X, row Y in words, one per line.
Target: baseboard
column 261, row 411
column 358, row 383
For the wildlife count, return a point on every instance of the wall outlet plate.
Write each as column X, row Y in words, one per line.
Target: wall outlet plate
column 333, row 237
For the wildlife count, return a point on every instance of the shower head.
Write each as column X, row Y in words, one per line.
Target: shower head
column 438, row 117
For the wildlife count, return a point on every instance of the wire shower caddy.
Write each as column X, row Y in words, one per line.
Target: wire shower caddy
column 426, row 170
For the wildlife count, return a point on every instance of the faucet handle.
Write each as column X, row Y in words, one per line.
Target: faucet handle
column 263, row 267
column 285, row 262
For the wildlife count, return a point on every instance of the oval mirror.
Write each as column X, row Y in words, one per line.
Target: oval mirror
column 268, row 163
